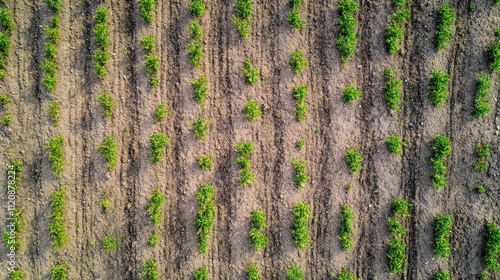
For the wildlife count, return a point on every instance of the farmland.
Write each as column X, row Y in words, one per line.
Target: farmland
column 154, row 136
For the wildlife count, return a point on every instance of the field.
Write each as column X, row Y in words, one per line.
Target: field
column 131, row 194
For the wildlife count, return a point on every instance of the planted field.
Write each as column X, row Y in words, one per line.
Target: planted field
column 245, row 139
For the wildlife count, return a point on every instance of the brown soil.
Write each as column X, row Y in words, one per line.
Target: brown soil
column 330, row 127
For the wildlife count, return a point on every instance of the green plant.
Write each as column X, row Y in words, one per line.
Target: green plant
column 53, row 112
column 201, row 273
column 351, row 93
column 152, row 68
column 484, row 275
column 258, row 239
column 300, row 232
column 147, row 9
column 244, row 150
column 158, row 142
column 195, row 52
column 298, row 61
column 56, row 226
column 204, row 161
column 394, row 31
column 197, row 8
column 392, row 94
column 205, row 216
column 345, row 274
column 15, row 274
column 395, row 228
column 200, row 88
column 148, row 43
column 153, row 239
column 100, row 55
column 481, row 189
column 253, row 272
column 49, row 62
column 294, row 18
column 472, row 8
column 347, row 33
column 299, row 95
column 481, row 103
column 161, row 112
column 59, row 272
column 492, row 247
column 244, row 8
column 242, row 26
column 153, row 207
column 354, row 160
column 104, row 202
column 195, row 30
column 6, row 20
column 346, row 229
column 300, row 144
column 250, row 72
column 438, row 90
column 396, row 254
column 7, row 119
column 395, row 144
column 109, row 243
column 401, row 207
column 200, row 126
column 482, row 152
column 150, row 270
column 108, row 151
column 294, row 272
column 4, row 100
column 54, row 5
column 56, row 157
column 442, row 230
column 494, row 52
column 107, row 104
column 440, row 149
column 444, row 24
column 442, row 275
column 252, row 110
column 300, row 178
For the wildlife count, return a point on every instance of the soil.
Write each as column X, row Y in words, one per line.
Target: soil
column 330, row 127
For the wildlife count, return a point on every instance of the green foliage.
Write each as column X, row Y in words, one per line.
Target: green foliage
column 56, row 226
column 482, row 152
column 244, row 8
column 398, row 3
column 200, row 126
column 109, row 243
column 484, row 275
column 481, row 103
column 15, row 274
column 346, row 229
column 204, row 162
column 294, row 18
column 258, row 239
column 300, row 178
column 108, row 151
column 354, row 160
column 481, row 189
column 56, row 157
column 438, row 89
column 395, row 144
column 300, row 232
column 148, row 43
column 49, row 63
column 345, row 274
column 195, row 52
column 244, row 150
column 161, row 112
column 442, row 230
column 396, row 254
column 107, row 104
column 444, row 24
column 195, row 30
column 492, row 247
column 294, row 272
column 347, row 33
column 150, row 271
column 395, row 228
column 147, row 9
column 153, row 207
column 253, row 272
column 153, row 239
column 299, row 95
column 59, row 272
column 495, row 52
column 7, row 119
column 298, row 61
column 252, row 110
column 54, row 5
column 351, row 93
column 152, row 68
column 392, row 94
column 4, row 100
column 101, row 55
column 442, row 275
column 6, row 20
column 251, row 73
column 197, row 8
column 6, row 24
column 104, row 202
column 401, row 207
column 440, row 149
column 200, row 88
column 394, row 31
column 300, row 144
column 205, row 216
column 53, row 112
column 201, row 273
column 158, row 142
column 242, row 26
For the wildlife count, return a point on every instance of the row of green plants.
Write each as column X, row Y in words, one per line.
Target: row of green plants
column 204, row 161
column 347, row 33
column 300, row 232
column 158, row 142
column 155, row 202
column 394, row 31
column 101, row 55
column 242, row 20
column 152, row 60
column 7, row 27
column 396, row 256
column 199, row 88
column 444, row 26
column 53, row 112
column 495, row 52
column 300, row 177
column 243, row 158
column 5, row 103
column 438, row 87
column 252, row 110
column 294, row 15
column 59, row 271
column 56, row 156
column 392, row 93
column 56, row 225
column 442, row 275
column 395, row 144
column 482, row 153
column 294, row 272
column 15, row 274
column 107, row 104
column 351, row 93
column 195, row 47
column 481, row 103
column 440, row 149
column 298, row 61
column 346, row 229
column 201, row 273
column 49, row 62
column 252, row 272
column 150, row 271
column 258, row 224
column 205, row 216
column 147, row 9
column 442, row 231
column 250, row 72
column 299, row 95
column 492, row 247
column 354, row 160
column 108, row 151
column 345, row 274
column 200, row 126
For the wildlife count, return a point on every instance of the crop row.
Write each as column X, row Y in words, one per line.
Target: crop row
column 440, row 149
column 394, row 31
column 152, row 60
column 294, row 15
column 396, row 249
column 258, row 224
column 101, row 55
column 205, row 217
column 49, row 62
column 56, row 226
column 7, row 27
column 244, row 150
column 242, row 20
column 482, row 152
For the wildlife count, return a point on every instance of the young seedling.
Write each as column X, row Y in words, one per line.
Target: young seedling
column 153, row 239
column 440, row 149
column 392, row 94
column 298, row 61
column 444, row 25
column 242, row 26
column 346, row 229
column 257, row 237
column 347, row 33
column 197, row 8
column 495, row 52
column 299, row 95
column 195, row 52
column 195, row 30
column 345, row 274
column 395, row 144
column 401, row 208
column 351, row 93
column 300, row 176
column 109, row 244
column 294, row 18
column 482, row 152
column 59, row 272
column 438, row 87
column 252, row 110
column 250, row 72
column 56, row 226
column 56, row 157
column 354, row 160
column 201, row 273
column 300, row 232
column 53, row 112
column 442, row 230
column 158, row 142
column 161, row 112
column 204, row 161
column 107, row 104
column 108, row 151
column 200, row 126
column 300, row 144
column 481, row 103
column 252, row 272
column 200, row 88
column 492, row 247
column 150, row 271
column 294, row 272
column 155, row 202
column 148, row 43
column 244, row 150
column 205, row 217
column 442, row 275
column 147, row 9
